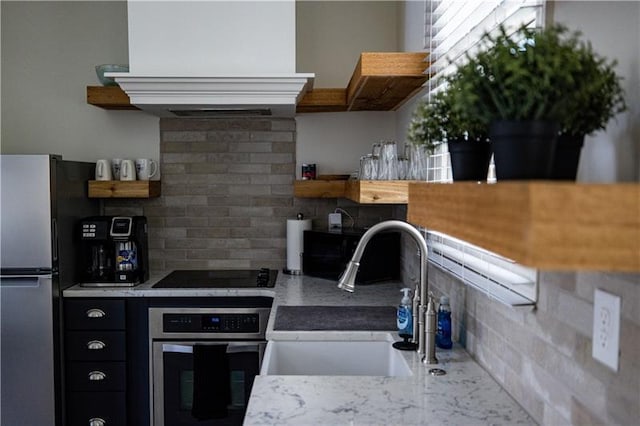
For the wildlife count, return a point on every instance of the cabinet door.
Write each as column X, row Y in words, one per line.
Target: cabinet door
column 95, row 345
column 96, row 408
column 96, row 376
column 94, row 314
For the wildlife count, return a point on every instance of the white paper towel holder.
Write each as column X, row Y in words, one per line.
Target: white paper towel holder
column 291, row 271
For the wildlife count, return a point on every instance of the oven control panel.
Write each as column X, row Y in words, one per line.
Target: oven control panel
column 211, row 323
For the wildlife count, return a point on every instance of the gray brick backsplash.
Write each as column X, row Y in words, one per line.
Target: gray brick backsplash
column 542, row 356
column 227, row 191
column 284, row 124
column 212, row 145
column 272, row 137
column 174, row 141
column 251, row 147
column 186, row 200
column 229, row 137
column 278, row 158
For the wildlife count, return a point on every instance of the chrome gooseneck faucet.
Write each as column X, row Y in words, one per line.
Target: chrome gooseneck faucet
column 423, row 309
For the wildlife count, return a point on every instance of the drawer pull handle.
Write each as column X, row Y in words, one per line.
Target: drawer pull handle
column 96, row 345
column 97, row 421
column 96, row 313
column 97, row 376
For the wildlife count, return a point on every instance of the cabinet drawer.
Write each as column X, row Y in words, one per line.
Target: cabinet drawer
column 96, row 376
column 82, row 408
column 94, row 314
column 95, row 345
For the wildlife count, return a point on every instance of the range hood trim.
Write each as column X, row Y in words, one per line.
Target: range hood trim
column 159, row 94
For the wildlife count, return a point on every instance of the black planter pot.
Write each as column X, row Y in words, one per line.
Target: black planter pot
column 567, row 157
column 469, row 159
column 523, row 149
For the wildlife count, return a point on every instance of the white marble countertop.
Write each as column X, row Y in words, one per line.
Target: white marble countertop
column 146, row 290
column 465, row 395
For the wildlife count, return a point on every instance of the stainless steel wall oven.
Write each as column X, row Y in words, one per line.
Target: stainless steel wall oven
column 203, row 362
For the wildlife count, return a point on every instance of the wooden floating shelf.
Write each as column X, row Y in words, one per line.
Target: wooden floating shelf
column 124, row 189
column 543, row 224
column 363, row 192
column 319, row 188
column 109, row 97
column 378, row 191
column 381, row 81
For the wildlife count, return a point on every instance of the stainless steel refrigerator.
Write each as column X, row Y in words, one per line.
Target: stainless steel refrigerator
column 42, row 198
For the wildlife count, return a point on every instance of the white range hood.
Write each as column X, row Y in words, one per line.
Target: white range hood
column 210, row 58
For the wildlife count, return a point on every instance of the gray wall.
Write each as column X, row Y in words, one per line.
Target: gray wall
column 227, row 192
column 613, row 28
column 49, row 50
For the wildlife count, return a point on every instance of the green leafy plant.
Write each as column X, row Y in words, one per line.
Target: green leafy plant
column 425, row 127
column 545, row 75
column 598, row 96
column 438, row 121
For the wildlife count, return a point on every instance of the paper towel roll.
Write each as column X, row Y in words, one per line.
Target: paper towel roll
column 295, row 238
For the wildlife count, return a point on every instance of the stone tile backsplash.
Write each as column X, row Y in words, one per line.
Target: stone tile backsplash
column 542, row 356
column 227, row 191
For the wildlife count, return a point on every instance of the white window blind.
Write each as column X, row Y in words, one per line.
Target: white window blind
column 453, row 28
column 494, row 275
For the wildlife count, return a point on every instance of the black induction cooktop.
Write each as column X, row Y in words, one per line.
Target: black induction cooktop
column 223, row 278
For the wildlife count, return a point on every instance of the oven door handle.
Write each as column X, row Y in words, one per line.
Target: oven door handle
column 232, row 347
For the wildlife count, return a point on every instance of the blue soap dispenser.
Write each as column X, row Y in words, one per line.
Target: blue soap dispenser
column 404, row 321
column 443, row 336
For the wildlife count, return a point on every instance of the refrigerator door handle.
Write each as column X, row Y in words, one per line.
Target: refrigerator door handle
column 54, row 235
column 18, row 281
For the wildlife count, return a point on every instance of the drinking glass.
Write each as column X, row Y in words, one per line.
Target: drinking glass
column 388, row 166
column 403, row 168
column 368, row 167
column 418, row 157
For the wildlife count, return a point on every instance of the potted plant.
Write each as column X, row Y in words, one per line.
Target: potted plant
column 437, row 121
column 425, row 128
column 466, row 136
column 424, row 135
column 517, row 85
column 598, row 97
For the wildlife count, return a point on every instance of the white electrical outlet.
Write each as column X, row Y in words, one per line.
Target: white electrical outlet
column 606, row 328
column 335, row 222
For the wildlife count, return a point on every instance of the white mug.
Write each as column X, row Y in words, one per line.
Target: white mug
column 116, row 163
column 127, row 170
column 103, row 169
column 146, row 168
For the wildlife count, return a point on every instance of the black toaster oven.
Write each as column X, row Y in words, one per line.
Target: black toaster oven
column 326, row 254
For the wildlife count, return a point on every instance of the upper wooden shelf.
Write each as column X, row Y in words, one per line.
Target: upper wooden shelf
column 108, row 97
column 363, row 192
column 546, row 225
column 381, row 81
column 124, row 189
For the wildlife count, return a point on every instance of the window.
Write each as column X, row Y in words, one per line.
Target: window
column 453, row 28
column 494, row 275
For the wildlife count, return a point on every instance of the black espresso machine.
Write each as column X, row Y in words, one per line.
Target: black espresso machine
column 114, row 251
